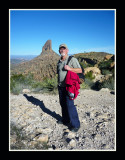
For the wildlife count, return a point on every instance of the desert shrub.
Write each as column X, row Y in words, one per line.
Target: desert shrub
column 37, row 86
column 20, row 136
column 87, row 84
column 88, row 81
column 105, row 71
column 14, row 79
column 50, row 84
column 89, row 75
column 105, row 84
column 96, row 86
column 110, row 83
column 16, row 88
column 85, row 65
column 84, row 86
column 105, row 64
column 18, row 82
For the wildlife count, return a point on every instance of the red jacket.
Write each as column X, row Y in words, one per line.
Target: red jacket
column 72, row 83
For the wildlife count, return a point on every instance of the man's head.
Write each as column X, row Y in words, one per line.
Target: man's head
column 63, row 49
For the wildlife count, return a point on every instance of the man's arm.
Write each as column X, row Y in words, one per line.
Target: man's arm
column 76, row 70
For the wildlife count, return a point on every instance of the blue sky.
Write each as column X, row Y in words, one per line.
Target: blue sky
column 81, row 30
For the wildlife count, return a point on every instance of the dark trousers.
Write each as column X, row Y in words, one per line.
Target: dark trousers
column 69, row 112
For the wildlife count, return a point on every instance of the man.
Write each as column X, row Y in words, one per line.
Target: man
column 69, row 112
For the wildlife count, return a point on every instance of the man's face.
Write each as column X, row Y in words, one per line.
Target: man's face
column 63, row 51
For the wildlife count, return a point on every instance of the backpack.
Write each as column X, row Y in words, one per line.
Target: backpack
column 81, row 75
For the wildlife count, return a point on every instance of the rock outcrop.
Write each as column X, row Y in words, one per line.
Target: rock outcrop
column 95, row 70
column 107, row 57
column 47, row 48
column 92, row 57
column 42, row 66
column 102, row 78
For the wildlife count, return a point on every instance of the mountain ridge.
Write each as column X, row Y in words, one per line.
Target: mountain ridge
column 45, row 64
column 42, row 66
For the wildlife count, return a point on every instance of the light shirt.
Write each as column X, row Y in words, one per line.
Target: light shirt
column 73, row 63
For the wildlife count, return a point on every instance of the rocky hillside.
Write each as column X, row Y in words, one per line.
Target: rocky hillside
column 92, row 57
column 100, row 64
column 42, row 66
column 33, row 122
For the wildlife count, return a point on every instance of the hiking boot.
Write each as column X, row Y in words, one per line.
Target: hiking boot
column 73, row 129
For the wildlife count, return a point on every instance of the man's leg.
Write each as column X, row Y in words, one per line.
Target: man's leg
column 74, row 119
column 62, row 99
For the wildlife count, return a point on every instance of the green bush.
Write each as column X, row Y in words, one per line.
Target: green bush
column 105, row 65
column 105, row 71
column 16, row 88
column 96, row 86
column 105, row 84
column 50, row 85
column 87, row 84
column 84, row 86
column 19, row 82
column 110, row 83
column 89, row 76
column 85, row 65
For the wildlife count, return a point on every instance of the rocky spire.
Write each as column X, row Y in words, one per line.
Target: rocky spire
column 47, row 48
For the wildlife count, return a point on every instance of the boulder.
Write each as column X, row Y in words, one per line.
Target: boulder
column 102, row 78
column 26, row 91
column 72, row 143
column 96, row 71
column 112, row 64
column 107, row 57
column 43, row 139
column 71, row 135
column 105, row 89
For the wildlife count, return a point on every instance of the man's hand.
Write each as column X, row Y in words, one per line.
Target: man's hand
column 67, row 68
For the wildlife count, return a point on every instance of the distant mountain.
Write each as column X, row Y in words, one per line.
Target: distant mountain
column 17, row 61
column 22, row 57
column 42, row 66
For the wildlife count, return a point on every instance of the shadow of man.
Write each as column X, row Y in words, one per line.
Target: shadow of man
column 37, row 102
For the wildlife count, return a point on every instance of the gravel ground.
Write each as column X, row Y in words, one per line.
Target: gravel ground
column 37, row 114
